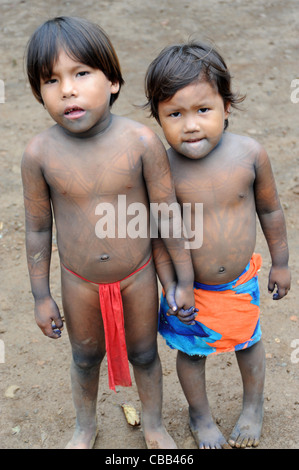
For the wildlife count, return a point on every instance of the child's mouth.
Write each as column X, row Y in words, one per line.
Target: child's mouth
column 192, row 141
column 74, row 112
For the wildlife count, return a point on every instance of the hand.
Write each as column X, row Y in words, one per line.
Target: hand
column 170, row 297
column 184, row 297
column 48, row 317
column 187, row 316
column 281, row 278
column 181, row 303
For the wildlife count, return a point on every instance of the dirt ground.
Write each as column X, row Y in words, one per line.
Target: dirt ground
column 260, row 41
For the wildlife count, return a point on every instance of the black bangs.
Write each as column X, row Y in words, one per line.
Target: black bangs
column 46, row 55
column 81, row 40
column 182, row 64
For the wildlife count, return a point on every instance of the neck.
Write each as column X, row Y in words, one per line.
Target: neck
column 99, row 128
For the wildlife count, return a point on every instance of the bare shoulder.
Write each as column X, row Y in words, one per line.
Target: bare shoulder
column 35, row 149
column 242, row 141
column 138, row 131
column 244, row 145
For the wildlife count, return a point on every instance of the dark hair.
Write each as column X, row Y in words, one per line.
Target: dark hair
column 82, row 40
column 182, row 64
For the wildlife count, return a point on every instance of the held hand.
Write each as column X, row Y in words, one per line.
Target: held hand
column 188, row 316
column 170, row 297
column 48, row 317
column 281, row 278
column 183, row 299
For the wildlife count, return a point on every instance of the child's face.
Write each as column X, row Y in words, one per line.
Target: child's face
column 77, row 96
column 193, row 119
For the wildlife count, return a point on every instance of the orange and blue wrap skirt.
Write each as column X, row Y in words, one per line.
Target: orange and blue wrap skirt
column 227, row 318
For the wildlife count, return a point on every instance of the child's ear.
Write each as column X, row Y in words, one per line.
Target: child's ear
column 227, row 109
column 114, row 88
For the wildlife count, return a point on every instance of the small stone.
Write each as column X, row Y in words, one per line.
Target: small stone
column 11, row 391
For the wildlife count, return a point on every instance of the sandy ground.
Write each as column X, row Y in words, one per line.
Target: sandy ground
column 260, row 41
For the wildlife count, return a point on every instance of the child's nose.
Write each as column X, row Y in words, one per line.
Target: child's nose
column 68, row 89
column 192, row 123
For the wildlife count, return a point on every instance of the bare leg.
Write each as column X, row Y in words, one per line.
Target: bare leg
column 84, row 390
column 247, row 430
column 191, row 373
column 83, row 319
column 141, row 318
column 149, row 383
column 84, row 323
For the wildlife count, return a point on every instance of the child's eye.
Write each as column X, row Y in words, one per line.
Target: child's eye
column 83, row 73
column 50, row 81
column 175, row 114
column 203, row 110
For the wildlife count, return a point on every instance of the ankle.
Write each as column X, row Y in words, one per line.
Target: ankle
column 199, row 416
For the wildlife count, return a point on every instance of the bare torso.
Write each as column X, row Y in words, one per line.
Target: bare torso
column 83, row 173
column 224, row 183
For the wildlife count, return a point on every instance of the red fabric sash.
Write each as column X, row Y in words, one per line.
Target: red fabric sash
column 113, row 320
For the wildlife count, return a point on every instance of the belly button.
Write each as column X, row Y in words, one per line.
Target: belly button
column 104, row 257
column 221, row 269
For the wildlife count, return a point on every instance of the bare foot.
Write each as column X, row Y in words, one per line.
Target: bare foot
column 83, row 438
column 207, row 435
column 247, row 430
column 158, row 439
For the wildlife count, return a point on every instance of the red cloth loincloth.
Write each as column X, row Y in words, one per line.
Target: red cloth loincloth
column 113, row 320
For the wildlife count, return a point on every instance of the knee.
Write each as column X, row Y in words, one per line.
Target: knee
column 87, row 360
column 143, row 358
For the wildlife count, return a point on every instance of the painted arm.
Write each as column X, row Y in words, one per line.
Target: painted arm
column 38, row 220
column 273, row 225
column 160, row 188
column 167, row 276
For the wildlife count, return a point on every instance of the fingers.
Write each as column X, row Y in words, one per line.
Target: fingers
column 171, row 311
column 53, row 330
column 48, row 317
column 170, row 297
column 280, row 291
column 186, row 316
column 56, row 332
column 173, row 308
column 57, row 326
column 279, row 278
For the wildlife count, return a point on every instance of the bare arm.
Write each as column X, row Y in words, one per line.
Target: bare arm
column 38, row 219
column 167, row 276
column 273, row 225
column 165, row 271
column 157, row 175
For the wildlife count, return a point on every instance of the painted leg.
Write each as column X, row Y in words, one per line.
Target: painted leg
column 247, row 430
